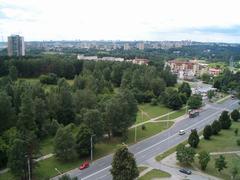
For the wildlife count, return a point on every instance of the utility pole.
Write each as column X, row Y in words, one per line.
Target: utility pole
column 92, row 146
column 168, row 118
column 186, row 107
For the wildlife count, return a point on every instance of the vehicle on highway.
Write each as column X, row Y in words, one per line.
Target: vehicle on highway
column 84, row 165
column 181, row 132
column 185, row 171
column 193, row 113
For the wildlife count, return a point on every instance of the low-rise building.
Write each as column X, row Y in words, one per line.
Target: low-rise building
column 214, row 71
column 187, row 70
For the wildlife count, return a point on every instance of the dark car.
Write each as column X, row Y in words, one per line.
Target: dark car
column 185, row 171
column 193, row 114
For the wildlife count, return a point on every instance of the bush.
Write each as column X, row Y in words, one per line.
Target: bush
column 238, row 142
column 193, row 139
column 51, row 78
column 216, row 127
column 225, row 120
column 236, row 131
column 235, row 115
column 207, row 132
column 154, row 102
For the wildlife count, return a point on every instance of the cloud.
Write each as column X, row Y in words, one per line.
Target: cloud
column 121, row 19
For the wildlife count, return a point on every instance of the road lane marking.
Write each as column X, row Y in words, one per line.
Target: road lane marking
column 96, row 173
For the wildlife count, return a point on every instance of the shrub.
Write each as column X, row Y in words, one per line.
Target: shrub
column 207, row 132
column 51, row 78
column 238, row 142
column 154, row 102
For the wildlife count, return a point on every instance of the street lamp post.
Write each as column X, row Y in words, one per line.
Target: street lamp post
column 29, row 167
column 92, row 146
column 58, row 171
column 29, row 170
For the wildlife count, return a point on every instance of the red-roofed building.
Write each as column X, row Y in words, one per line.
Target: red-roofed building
column 214, row 71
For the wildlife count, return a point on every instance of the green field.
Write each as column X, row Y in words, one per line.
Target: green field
column 7, row 176
column 174, row 115
column 141, row 168
column 155, row 111
column 152, row 112
column 155, row 173
column 225, row 141
column 231, row 159
column 47, row 87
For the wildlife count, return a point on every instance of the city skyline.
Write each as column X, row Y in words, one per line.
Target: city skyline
column 214, row 21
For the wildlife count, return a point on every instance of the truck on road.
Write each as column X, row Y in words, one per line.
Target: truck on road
column 193, row 113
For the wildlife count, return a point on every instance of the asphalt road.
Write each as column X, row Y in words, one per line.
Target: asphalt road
column 157, row 144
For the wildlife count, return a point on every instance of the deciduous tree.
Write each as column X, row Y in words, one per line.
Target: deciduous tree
column 220, row 163
column 185, row 88
column 193, row 139
column 195, row 101
column 124, row 166
column 185, row 154
column 207, row 132
column 225, row 120
column 216, row 127
column 83, row 143
column 64, row 144
column 204, row 158
column 235, row 115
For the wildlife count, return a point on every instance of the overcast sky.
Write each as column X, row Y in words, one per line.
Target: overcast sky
column 198, row 20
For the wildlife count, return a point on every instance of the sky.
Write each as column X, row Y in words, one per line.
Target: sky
column 153, row 20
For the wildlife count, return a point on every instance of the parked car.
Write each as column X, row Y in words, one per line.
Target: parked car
column 185, row 171
column 181, row 132
column 84, row 165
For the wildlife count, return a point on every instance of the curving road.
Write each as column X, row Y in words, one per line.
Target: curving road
column 151, row 147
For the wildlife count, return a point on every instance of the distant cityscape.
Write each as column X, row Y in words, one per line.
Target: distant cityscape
column 16, row 45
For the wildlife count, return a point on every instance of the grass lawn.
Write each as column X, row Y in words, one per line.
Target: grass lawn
column 46, row 168
column 30, row 80
column 46, row 146
column 47, row 87
column 141, row 118
column 152, row 111
column 175, row 115
column 231, row 159
column 225, row 141
column 141, row 168
column 150, row 130
column 155, row 173
column 165, row 154
column 7, row 176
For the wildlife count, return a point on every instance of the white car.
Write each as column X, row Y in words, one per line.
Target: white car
column 181, row 132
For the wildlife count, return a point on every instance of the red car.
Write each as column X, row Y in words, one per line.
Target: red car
column 84, row 165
